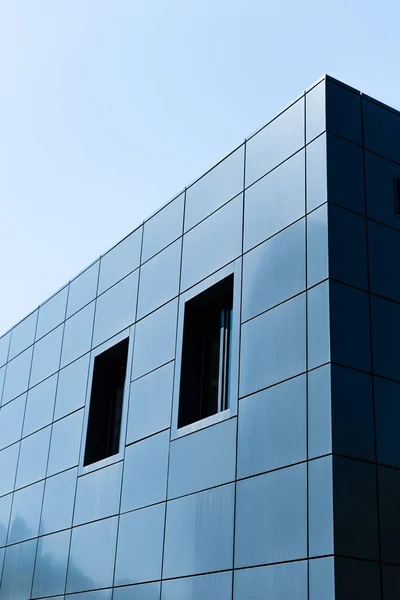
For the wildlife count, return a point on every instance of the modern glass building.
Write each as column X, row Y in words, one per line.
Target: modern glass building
column 211, row 411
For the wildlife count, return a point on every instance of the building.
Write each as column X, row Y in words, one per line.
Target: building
column 211, row 410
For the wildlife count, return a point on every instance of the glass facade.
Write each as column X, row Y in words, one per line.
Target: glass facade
column 290, row 490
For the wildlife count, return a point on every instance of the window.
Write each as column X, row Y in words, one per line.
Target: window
column 104, row 423
column 206, row 350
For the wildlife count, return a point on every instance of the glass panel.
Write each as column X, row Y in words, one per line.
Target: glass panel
column 212, row 244
column 116, row 309
column 71, row 389
column 391, row 582
column 58, row 502
column 322, row 579
column 163, row 228
column 315, row 111
column 4, row 345
column 191, row 458
column 383, row 247
column 145, row 472
column 18, row 571
column 320, row 507
column 350, row 332
column 278, row 140
column 150, row 403
column 159, row 279
column 52, row 313
column 273, row 346
column 11, row 419
column 275, row 201
column 23, row 335
column 33, row 458
column 199, row 533
column 17, row 376
column 215, row 188
column 8, row 468
column 387, row 418
column 78, row 335
column 51, row 564
column 25, row 513
column 319, row 412
column 389, row 498
column 5, row 512
column 120, row 260
column 140, row 544
column 155, row 340
column 343, row 112
column 147, row 591
column 357, row 578
column 346, row 174
column 319, row 347
column 274, row 271
column 217, row 586
column 317, row 185
column 381, row 130
column 40, row 405
column 65, row 443
column 92, row 555
column 348, row 247
column 271, row 517
column 317, row 246
column 355, row 506
column 272, row 428
column 46, row 356
column 98, row 494
column 82, row 289
column 286, row 582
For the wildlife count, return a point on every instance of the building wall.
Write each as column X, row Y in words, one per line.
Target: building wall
column 256, row 503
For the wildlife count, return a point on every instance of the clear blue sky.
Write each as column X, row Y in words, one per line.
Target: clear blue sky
column 110, row 107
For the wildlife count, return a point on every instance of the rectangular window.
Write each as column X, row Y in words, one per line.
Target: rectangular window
column 105, row 411
column 206, row 349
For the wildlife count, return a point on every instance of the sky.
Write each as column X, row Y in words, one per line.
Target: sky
column 108, row 108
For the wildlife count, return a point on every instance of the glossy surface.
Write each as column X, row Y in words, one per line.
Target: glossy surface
column 343, row 112
column 274, row 271
column 82, row 289
column 8, row 468
column 150, row 403
column 275, row 201
column 145, row 472
column 217, row 586
column 5, row 512
column 11, row 419
column 320, row 507
column 159, row 279
column 379, row 174
column 78, row 335
column 272, row 428
column 155, row 340
column 23, row 335
column 98, row 494
column 315, row 111
column 273, row 346
column 387, row 415
column 383, row 246
column 286, row 582
column 215, row 188
column 51, row 564
column 108, row 321
column 163, row 228
column 317, row 246
column 385, row 335
column 17, row 376
column 4, row 347
column 319, row 412
column 40, row 405
column 219, row 236
column 58, row 502
column 18, row 568
column 139, row 551
column 381, row 130
column 65, row 443
column 319, row 329
column 317, row 176
column 199, row 533
column 389, row 497
column 271, row 517
column 71, row 387
column 146, row 591
column 33, row 455
column 120, row 260
column 278, row 140
column 345, row 174
column 322, row 579
column 46, row 356
column 91, row 562
column 202, row 460
column 25, row 513
column 52, row 313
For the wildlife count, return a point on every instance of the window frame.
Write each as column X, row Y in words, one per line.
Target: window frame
column 235, row 269
column 125, row 334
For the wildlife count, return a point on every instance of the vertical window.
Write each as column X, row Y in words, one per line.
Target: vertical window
column 105, row 412
column 206, row 349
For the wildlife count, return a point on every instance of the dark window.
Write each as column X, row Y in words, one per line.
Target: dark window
column 204, row 387
column 397, row 195
column 104, row 423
